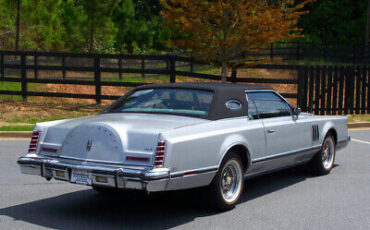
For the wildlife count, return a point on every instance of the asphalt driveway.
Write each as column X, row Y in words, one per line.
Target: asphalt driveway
column 290, row 199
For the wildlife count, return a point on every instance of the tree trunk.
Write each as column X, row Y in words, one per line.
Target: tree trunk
column 17, row 25
column 366, row 50
column 91, row 37
column 223, row 72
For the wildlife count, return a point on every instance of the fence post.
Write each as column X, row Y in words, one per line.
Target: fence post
column 24, row 76
column 191, row 65
column 2, row 65
column 363, row 91
column 97, row 78
column 298, row 54
column 120, row 68
column 272, row 51
column 36, row 64
column 143, row 67
column 354, row 54
column 64, row 66
column 300, row 87
column 172, row 69
column 311, row 89
column 233, row 75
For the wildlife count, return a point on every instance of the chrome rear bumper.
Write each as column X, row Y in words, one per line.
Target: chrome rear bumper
column 150, row 180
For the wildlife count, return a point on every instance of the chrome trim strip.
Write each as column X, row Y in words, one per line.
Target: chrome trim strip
column 269, row 91
column 199, row 171
column 317, row 147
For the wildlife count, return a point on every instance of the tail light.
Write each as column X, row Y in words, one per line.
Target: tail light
column 159, row 154
column 34, row 141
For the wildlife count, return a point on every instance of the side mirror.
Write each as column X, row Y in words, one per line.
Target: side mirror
column 297, row 111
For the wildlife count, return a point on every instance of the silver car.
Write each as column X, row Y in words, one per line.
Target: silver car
column 180, row 136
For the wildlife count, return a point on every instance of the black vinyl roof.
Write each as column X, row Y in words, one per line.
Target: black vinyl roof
column 222, row 92
column 207, row 86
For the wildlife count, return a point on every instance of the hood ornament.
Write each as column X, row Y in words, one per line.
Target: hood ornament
column 88, row 146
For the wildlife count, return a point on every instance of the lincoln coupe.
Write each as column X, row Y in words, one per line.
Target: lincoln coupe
column 185, row 135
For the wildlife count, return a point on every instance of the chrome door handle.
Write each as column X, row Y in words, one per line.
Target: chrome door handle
column 270, row 131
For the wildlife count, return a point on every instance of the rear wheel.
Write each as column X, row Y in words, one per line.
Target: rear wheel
column 227, row 186
column 323, row 161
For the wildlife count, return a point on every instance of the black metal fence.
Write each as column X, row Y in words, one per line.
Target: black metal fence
column 334, row 89
column 318, row 89
column 330, row 52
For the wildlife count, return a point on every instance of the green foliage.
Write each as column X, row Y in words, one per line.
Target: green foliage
column 338, row 21
column 135, row 26
column 111, row 26
column 138, row 29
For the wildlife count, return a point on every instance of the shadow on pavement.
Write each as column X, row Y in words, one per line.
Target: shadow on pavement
column 87, row 209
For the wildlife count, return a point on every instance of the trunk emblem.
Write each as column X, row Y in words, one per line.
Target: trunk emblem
column 88, row 146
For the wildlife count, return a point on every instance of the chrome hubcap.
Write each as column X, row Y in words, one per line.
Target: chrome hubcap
column 231, row 179
column 327, row 156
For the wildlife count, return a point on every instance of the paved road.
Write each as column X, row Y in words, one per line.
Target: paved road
column 291, row 199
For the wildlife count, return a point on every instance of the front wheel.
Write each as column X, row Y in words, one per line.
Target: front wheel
column 323, row 161
column 227, row 186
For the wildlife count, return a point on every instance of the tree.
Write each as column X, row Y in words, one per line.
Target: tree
column 100, row 26
column 7, row 26
column 220, row 31
column 335, row 21
column 366, row 50
column 139, row 26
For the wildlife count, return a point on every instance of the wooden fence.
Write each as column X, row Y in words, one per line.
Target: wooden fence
column 344, row 53
column 320, row 89
column 334, row 89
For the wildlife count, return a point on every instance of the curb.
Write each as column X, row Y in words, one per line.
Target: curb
column 16, row 134
column 27, row 134
column 359, row 125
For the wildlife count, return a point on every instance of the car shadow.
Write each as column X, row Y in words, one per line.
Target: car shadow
column 87, row 209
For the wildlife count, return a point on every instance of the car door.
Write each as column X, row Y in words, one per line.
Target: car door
column 284, row 133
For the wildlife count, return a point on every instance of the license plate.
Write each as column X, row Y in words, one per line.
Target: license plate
column 81, row 177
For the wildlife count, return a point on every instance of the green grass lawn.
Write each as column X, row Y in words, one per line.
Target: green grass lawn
column 359, row 118
column 15, row 86
column 17, row 128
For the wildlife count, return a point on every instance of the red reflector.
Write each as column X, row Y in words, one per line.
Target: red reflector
column 34, row 141
column 49, row 150
column 131, row 158
column 161, row 143
column 159, row 154
column 190, row 173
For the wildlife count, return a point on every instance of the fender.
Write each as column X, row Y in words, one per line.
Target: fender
column 325, row 129
column 229, row 143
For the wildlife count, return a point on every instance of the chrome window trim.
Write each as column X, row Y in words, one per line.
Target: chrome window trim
column 274, row 92
column 233, row 101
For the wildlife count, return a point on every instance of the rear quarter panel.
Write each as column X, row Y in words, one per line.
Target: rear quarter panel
column 203, row 146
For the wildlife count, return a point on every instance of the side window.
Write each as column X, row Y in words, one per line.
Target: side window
column 269, row 105
column 252, row 111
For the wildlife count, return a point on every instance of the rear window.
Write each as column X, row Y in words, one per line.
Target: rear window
column 169, row 101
